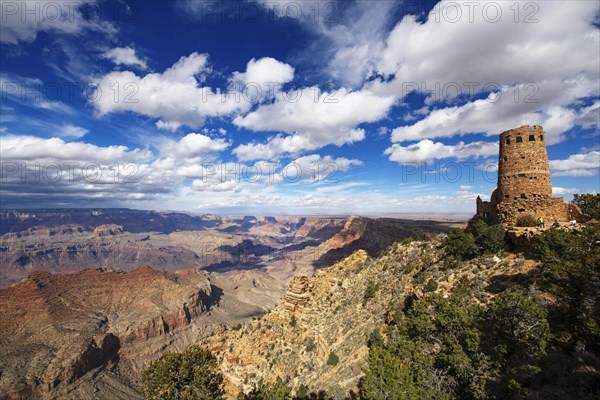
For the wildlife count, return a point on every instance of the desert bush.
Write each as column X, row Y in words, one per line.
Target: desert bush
column 370, row 291
column 461, row 245
column 571, row 269
column 589, row 204
column 527, row 221
column 431, row 285
column 333, row 359
column 270, row 391
column 375, row 339
column 191, row 374
column 489, row 238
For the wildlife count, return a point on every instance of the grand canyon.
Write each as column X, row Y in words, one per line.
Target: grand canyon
column 299, row 200
column 91, row 296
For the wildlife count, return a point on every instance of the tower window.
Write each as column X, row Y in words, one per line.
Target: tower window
column 541, row 138
column 532, row 138
column 521, row 175
column 506, row 196
column 523, row 196
column 507, row 140
column 505, row 158
column 519, row 139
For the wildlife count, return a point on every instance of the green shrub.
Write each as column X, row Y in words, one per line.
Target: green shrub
column 370, row 291
column 461, row 245
column 191, row 374
column 571, row 265
column 552, row 244
column 481, row 239
column 375, row 339
column 333, row 359
column 527, row 221
column 515, row 333
column 431, row 285
column 270, row 391
column 450, row 262
column 589, row 204
column 421, row 277
column 489, row 238
column 302, row 391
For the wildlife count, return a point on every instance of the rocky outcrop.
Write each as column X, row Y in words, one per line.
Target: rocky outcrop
column 108, row 230
column 297, row 294
column 57, row 328
column 94, row 353
column 88, row 335
column 43, row 231
column 374, row 236
column 329, row 313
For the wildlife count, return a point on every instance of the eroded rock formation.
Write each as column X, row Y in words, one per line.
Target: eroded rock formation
column 297, row 294
column 88, row 335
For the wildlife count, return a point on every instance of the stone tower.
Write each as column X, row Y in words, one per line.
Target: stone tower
column 523, row 170
column 524, row 185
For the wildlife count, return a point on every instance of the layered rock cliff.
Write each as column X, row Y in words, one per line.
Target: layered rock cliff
column 90, row 334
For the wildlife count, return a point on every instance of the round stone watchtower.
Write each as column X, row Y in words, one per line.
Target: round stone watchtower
column 523, row 170
column 524, row 186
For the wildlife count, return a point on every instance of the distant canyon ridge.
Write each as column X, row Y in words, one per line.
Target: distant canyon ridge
column 66, row 241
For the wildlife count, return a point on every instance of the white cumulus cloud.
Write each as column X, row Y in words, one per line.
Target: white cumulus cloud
column 314, row 119
column 179, row 97
column 72, row 131
column 266, row 74
column 23, row 20
column 125, row 56
column 585, row 164
column 35, row 148
column 426, row 150
column 192, row 145
column 561, row 191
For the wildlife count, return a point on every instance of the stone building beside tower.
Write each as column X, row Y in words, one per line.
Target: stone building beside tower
column 524, row 185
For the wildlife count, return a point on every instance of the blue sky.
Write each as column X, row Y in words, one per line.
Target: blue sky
column 290, row 107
